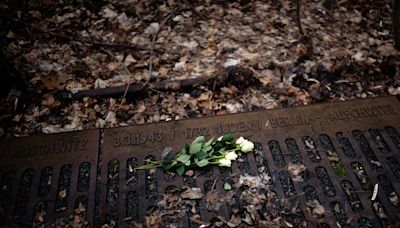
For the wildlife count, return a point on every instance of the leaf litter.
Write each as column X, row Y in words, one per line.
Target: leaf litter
column 259, row 205
column 251, row 49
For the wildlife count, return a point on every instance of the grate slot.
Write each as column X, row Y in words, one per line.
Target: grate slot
column 46, row 179
column 364, row 222
column 151, row 182
column 312, row 202
column 362, row 176
column 81, row 205
column 113, row 183
column 24, row 191
column 345, row 145
column 333, row 157
column 294, row 151
column 366, row 150
column 84, row 177
column 287, row 184
column 261, row 162
column 389, row 190
column 63, row 189
column 226, row 174
column 296, row 157
column 112, row 218
column 6, row 190
column 131, row 173
column 191, row 182
column 379, row 141
column 394, row 165
column 311, row 149
column 394, row 135
column 340, row 213
column 206, row 171
column 276, row 153
column 325, row 181
column 243, row 163
column 310, row 193
column 40, row 215
column 132, row 206
column 352, row 197
column 380, row 212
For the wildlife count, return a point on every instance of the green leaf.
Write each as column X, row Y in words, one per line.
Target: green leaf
column 180, row 170
column 207, row 148
column 218, row 145
column 184, row 158
column 209, row 142
column 202, row 163
column 168, row 166
column 227, row 186
column 185, row 149
column 228, row 138
column 201, row 155
column 199, row 139
column 195, row 148
column 187, row 163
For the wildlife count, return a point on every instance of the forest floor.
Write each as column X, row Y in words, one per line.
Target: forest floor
column 246, row 55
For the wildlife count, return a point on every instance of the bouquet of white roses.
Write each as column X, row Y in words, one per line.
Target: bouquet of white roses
column 201, row 153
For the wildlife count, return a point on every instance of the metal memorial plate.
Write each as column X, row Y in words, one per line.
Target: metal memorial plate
column 49, row 177
column 347, row 148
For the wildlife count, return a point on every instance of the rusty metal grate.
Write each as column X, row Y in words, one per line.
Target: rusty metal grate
column 346, row 147
column 45, row 178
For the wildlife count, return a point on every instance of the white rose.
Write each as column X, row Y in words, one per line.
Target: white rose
column 246, row 146
column 225, row 162
column 231, row 156
column 240, row 140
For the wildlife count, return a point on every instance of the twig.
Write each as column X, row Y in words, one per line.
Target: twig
column 396, row 23
column 81, row 40
column 215, row 182
column 298, row 8
column 127, row 71
column 140, row 17
column 153, row 43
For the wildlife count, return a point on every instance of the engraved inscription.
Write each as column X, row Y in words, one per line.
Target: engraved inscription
column 67, row 146
column 288, row 121
column 173, row 132
column 196, row 131
column 364, row 112
column 241, row 126
column 137, row 139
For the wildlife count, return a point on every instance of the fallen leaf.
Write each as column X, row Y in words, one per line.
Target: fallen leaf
column 192, row 193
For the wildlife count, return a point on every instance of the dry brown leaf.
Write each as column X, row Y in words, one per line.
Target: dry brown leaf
column 62, row 194
column 192, row 193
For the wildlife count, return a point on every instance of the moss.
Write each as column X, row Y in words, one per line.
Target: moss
column 338, row 168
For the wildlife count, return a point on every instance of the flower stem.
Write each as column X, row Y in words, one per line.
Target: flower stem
column 151, row 164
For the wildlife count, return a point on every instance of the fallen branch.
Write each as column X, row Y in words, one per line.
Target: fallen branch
column 136, row 89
